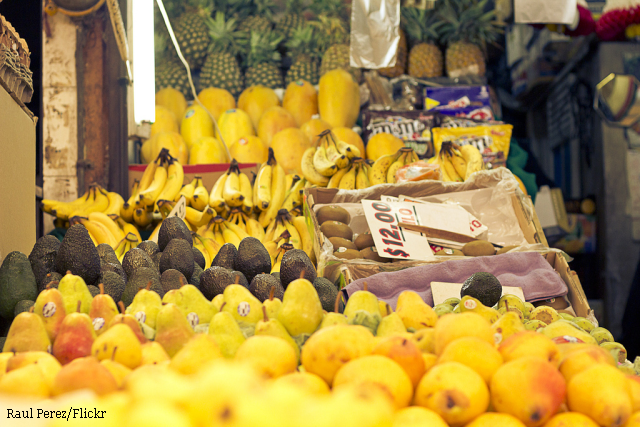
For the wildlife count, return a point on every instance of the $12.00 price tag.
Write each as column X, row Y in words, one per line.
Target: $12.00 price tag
column 392, row 241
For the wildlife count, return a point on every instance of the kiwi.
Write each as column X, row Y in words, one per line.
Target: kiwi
column 478, row 248
column 372, row 254
column 336, row 229
column 347, row 254
column 339, row 242
column 364, row 240
column 505, row 249
column 450, row 252
column 333, row 213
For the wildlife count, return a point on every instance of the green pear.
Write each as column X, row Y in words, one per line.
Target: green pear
column 196, row 307
column 217, row 302
column 363, row 309
column 272, row 304
column 332, row 318
column 601, row 335
column 173, row 330
column 472, row 304
column 583, row 323
column 102, row 311
column 119, row 344
column 509, row 301
column 242, row 305
column 74, row 289
column 227, row 333
column 27, row 333
column 49, row 307
column 391, row 325
column 442, row 309
column 616, row 349
column 75, row 337
column 301, row 310
column 456, row 309
column 145, row 306
column 198, row 351
column 274, row 328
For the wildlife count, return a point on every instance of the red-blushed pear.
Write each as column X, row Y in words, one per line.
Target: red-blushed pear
column 527, row 344
column 27, row 333
column 102, row 311
column 49, row 365
column 173, row 330
column 49, row 307
column 130, row 321
column 84, row 373
column 405, row 353
column 529, row 388
column 75, row 337
column 577, row 361
column 453, row 326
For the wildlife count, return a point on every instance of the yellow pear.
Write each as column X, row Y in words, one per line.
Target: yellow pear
column 563, row 327
column 153, row 353
column 417, row 416
column 358, row 405
column 468, row 303
column 216, row 100
column 249, row 149
column 490, row 419
column 4, row 359
column 149, row 413
column 570, row 419
column 120, row 344
column 405, row 353
column 414, row 312
column 602, row 393
column 271, row 356
column 378, row 371
column 153, row 382
column 507, row 325
column 527, row 344
column 453, row 326
column 475, row 353
column 165, row 121
column 26, row 381
column 118, row 370
column 390, row 325
column 227, row 333
column 304, row 382
column 49, row 365
column 634, row 420
column 207, row 150
column 430, row 360
column 454, row 391
column 425, row 339
column 577, row 361
column 199, row 350
column 173, row 329
column 195, row 124
column 330, row 319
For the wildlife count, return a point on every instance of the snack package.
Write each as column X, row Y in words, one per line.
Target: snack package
column 492, row 141
column 413, row 127
column 418, row 171
column 462, row 101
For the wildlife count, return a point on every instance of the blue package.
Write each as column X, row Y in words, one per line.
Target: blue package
column 473, row 102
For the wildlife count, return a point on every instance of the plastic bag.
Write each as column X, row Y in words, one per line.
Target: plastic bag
column 419, row 171
column 492, row 140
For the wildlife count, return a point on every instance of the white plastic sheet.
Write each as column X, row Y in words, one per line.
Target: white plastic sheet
column 374, row 33
column 546, row 11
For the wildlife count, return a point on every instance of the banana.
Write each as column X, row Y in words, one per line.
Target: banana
column 119, row 249
column 212, row 247
column 133, row 239
column 393, row 168
column 349, row 150
column 230, row 236
column 48, row 205
column 448, row 167
column 333, row 154
column 115, row 203
column 187, row 191
column 155, row 231
column 199, row 246
column 309, row 171
column 348, row 181
column 216, row 201
column 165, row 207
column 262, row 186
column 173, row 183
column 322, row 164
column 294, row 196
column 197, row 218
column 149, row 196
column 200, row 198
column 130, row 228
column 231, row 191
column 414, row 157
column 278, row 258
column 277, row 196
column 300, row 223
column 126, row 211
column 247, row 191
column 149, row 174
column 295, row 239
column 255, row 229
column 378, row 172
column 217, row 236
column 110, row 224
column 100, row 203
column 473, row 158
column 97, row 230
column 335, row 179
column 142, row 217
column 362, row 180
column 456, row 159
column 236, row 229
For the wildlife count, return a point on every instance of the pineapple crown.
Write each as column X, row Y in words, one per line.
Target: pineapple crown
column 232, row 8
column 330, row 31
column 295, row 6
column 330, row 8
column 303, row 42
column 263, row 8
column 421, row 26
column 199, row 7
column 466, row 20
column 224, row 35
column 263, row 47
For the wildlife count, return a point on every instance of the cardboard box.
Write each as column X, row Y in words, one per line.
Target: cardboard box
column 209, row 173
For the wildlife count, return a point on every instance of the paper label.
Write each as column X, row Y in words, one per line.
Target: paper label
column 244, row 308
column 193, row 319
column 470, row 304
column 98, row 323
column 392, row 241
column 49, row 309
column 141, row 316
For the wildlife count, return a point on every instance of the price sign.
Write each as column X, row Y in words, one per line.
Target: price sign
column 392, row 241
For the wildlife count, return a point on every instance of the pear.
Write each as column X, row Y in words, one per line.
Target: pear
column 84, row 373
column 534, row 325
column 198, row 351
column 417, row 416
column 545, row 314
column 4, row 359
column 272, row 304
column 564, row 327
column 173, row 329
column 27, row 333
column 425, row 339
column 414, row 312
column 152, row 413
column 130, row 321
column 102, row 311
column 227, row 333
column 26, row 381
column 601, row 335
column 49, row 306
column 305, row 382
column 242, row 305
column 74, row 289
column 117, row 370
column 363, row 309
column 193, row 304
column 217, row 302
column 509, row 301
column 49, row 365
column 507, row 325
column 75, row 337
column 271, row 356
column 145, row 306
column 582, row 359
column 475, row 353
column 471, row 304
column 301, row 310
column 405, row 353
column 384, row 308
column 153, row 353
column 360, row 405
column 274, row 328
column 391, row 325
column 156, row 382
column 529, row 344
column 119, row 344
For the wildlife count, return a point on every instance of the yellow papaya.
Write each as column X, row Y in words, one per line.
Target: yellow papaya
column 165, row 121
column 301, row 100
column 339, row 98
column 195, row 124
column 234, row 124
column 288, row 147
column 216, row 100
column 273, row 121
column 207, row 150
column 313, row 128
column 255, row 100
column 172, row 141
column 172, row 99
column 249, row 149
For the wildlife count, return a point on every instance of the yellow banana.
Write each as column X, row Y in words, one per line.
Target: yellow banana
column 348, row 181
column 131, row 237
column 236, row 229
column 142, row 217
column 362, row 180
column 173, row 183
column 97, row 230
column 277, row 196
column 231, row 191
column 149, row 196
column 230, row 236
column 246, row 190
column 334, row 156
column 457, row 161
column 212, row 247
column 255, row 229
column 110, row 224
column 115, row 203
column 205, row 253
column 262, row 186
column 48, row 205
column 309, row 171
column 126, row 211
column 130, row 228
column 473, row 158
column 334, row 182
column 216, row 200
column 119, row 249
column 155, row 231
column 378, row 172
column 187, row 191
column 448, row 167
column 217, row 236
column 349, row 150
column 393, row 168
column 294, row 198
column 295, row 239
column 300, row 223
column 197, row 218
column 200, row 196
column 322, row 164
column 149, row 174
column 100, row 203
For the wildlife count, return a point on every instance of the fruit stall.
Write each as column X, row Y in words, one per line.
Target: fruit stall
column 309, row 212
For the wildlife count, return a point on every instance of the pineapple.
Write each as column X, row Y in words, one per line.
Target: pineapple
column 425, row 58
column 263, row 60
column 191, row 32
column 334, row 42
column 466, row 31
column 260, row 18
column 172, row 73
column 302, row 48
column 401, row 59
column 221, row 67
column 291, row 20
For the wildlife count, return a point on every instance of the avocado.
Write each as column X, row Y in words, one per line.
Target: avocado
column 240, row 278
column 252, row 258
column 333, row 213
column 23, row 306
column 78, row 254
column 478, row 248
column 327, row 293
column 136, row 258
column 17, row 283
column 293, row 262
column 54, row 277
column 261, row 286
column 43, row 257
column 115, row 268
column 485, row 287
column 198, row 257
column 150, row 247
column 106, row 253
column 173, row 228
column 139, row 279
column 156, row 260
column 195, row 277
column 226, row 256
column 113, row 284
column 214, row 280
column 339, row 242
column 276, row 274
column 336, row 229
column 364, row 240
column 170, row 279
column 179, row 256
column 94, row 290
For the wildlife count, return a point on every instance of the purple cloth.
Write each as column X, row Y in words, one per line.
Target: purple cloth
column 527, row 270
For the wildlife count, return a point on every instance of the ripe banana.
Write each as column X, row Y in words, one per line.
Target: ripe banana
column 349, row 150
column 309, row 171
column 99, row 232
column 393, row 168
column 378, row 172
column 216, row 200
column 142, row 217
column 200, row 198
column 277, row 196
column 100, row 203
column 115, row 203
column 300, row 224
column 247, row 191
column 322, row 164
column 348, row 181
column 362, row 180
column 294, row 196
column 187, row 191
column 333, row 154
column 128, row 228
column 473, row 158
column 149, row 174
column 197, row 218
column 255, row 229
column 456, row 159
column 173, row 183
column 110, row 224
column 149, row 196
column 236, row 229
column 449, row 168
column 231, row 191
column 262, row 185
column 197, row 243
column 334, row 182
column 295, row 238
column 49, row 205
column 230, row 236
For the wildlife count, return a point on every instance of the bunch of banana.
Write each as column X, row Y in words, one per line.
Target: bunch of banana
column 458, row 163
column 95, row 199
column 284, row 221
column 355, row 177
column 233, row 189
column 269, row 190
column 384, row 169
column 168, row 176
column 208, row 246
column 129, row 241
column 321, row 163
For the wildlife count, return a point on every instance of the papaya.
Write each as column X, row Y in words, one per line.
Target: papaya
column 339, row 98
column 216, row 100
column 301, row 100
column 195, row 124
column 172, row 141
column 249, row 149
column 207, row 150
column 382, row 144
column 313, row 128
column 172, row 99
column 255, row 100
column 165, row 121
column 349, row 136
column 234, row 124
column 273, row 121
column 288, row 147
